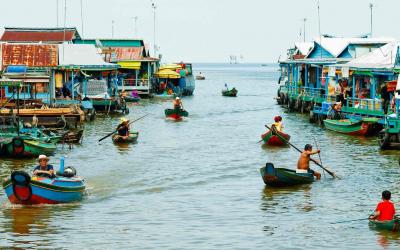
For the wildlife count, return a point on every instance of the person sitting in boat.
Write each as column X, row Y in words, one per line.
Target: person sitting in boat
column 226, row 86
column 303, row 164
column 385, row 209
column 278, row 123
column 337, row 111
column 43, row 168
column 178, row 103
column 123, row 128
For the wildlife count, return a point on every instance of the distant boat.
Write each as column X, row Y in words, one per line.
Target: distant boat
column 200, row 76
column 264, row 65
column 231, row 93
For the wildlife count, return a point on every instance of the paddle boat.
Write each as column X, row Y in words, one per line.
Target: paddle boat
column 65, row 187
column 365, row 126
column 275, row 138
column 230, row 93
column 176, row 114
column 390, row 225
column 281, row 177
column 132, row 138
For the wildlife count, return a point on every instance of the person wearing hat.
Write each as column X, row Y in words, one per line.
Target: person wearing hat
column 43, row 167
column 178, row 103
column 123, row 128
column 278, row 123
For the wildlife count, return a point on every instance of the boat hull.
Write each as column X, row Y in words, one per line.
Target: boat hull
column 22, row 189
column 131, row 139
column 350, row 127
column 176, row 114
column 275, row 138
column 19, row 147
column 282, row 177
column 131, row 99
column 392, row 225
column 230, row 93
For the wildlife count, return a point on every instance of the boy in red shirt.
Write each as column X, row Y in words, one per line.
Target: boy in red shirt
column 385, row 209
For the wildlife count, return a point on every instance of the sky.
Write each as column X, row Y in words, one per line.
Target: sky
column 210, row 30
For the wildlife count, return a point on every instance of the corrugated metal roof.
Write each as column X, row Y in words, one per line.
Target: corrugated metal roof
column 382, row 58
column 39, row 35
column 127, row 54
column 31, row 55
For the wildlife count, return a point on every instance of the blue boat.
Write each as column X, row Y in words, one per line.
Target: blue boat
column 281, row 177
column 21, row 188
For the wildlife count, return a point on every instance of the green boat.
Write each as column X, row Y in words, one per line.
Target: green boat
column 176, row 114
column 133, row 136
column 231, row 93
column 282, row 177
column 23, row 146
column 391, row 225
column 352, row 127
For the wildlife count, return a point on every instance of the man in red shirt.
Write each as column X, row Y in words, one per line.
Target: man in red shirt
column 385, row 209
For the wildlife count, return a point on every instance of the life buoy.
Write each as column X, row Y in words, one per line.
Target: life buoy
column 18, row 146
column 23, row 180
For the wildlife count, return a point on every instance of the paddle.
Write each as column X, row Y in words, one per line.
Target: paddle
column 117, row 129
column 328, row 171
column 345, row 221
column 319, row 155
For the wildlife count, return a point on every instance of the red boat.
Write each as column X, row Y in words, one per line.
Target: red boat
column 275, row 138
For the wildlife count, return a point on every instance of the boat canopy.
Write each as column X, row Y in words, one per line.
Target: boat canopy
column 171, row 66
column 129, row 64
column 167, row 73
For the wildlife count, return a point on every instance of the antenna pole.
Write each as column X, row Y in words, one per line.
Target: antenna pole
column 304, row 29
column 319, row 29
column 57, row 11
column 153, row 5
column 371, row 6
column 82, row 20
column 112, row 28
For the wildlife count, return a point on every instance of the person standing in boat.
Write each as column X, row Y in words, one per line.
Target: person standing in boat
column 178, row 104
column 43, row 167
column 385, row 209
column 303, row 164
column 278, row 123
column 123, row 128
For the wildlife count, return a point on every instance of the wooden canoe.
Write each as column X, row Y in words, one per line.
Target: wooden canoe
column 390, row 225
column 349, row 126
column 281, row 177
column 275, row 138
column 231, row 93
column 176, row 114
column 133, row 136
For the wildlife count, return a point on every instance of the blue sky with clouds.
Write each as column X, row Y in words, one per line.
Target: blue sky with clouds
column 211, row 30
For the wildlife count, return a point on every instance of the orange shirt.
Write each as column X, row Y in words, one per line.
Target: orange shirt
column 386, row 209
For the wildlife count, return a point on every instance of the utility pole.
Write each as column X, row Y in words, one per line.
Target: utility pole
column 319, row 29
column 57, row 11
column 371, row 6
column 82, row 19
column 304, row 29
column 153, row 5
column 135, row 18
column 112, row 28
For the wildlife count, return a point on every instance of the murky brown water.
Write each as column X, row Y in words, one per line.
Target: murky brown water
column 196, row 184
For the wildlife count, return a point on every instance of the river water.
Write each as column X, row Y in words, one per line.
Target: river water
column 196, row 184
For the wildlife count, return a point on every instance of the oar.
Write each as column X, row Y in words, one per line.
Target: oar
column 345, row 221
column 319, row 155
column 316, row 162
column 117, row 129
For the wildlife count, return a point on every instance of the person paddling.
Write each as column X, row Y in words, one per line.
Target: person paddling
column 123, row 128
column 278, row 123
column 303, row 164
column 43, row 167
column 385, row 209
column 178, row 104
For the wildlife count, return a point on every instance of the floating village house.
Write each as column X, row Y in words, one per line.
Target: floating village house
column 311, row 79
column 136, row 66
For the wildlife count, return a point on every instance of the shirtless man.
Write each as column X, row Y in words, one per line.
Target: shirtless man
column 303, row 164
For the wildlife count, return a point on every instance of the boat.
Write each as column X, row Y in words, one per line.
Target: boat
column 390, row 225
column 362, row 127
column 176, row 114
column 165, row 95
column 133, row 136
column 200, row 77
column 275, row 138
column 12, row 145
column 281, row 177
column 21, row 188
column 179, row 75
column 132, row 97
column 231, row 93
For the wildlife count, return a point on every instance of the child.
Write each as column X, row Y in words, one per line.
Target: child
column 385, row 209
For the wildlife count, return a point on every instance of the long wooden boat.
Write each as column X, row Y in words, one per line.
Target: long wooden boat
column 231, row 93
column 133, row 136
column 176, row 114
column 20, row 146
column 281, row 177
column 350, row 126
column 275, row 138
column 391, row 225
column 21, row 188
